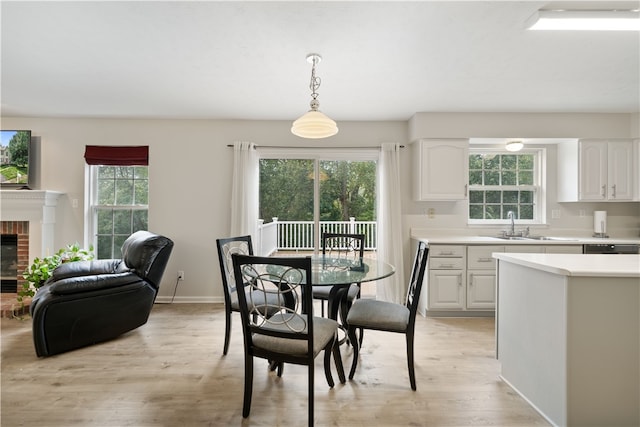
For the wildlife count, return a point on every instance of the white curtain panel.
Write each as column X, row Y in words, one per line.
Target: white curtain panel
column 390, row 222
column 244, row 190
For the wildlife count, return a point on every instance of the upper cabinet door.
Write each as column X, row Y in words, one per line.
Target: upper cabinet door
column 593, row 170
column 620, row 172
column 441, row 169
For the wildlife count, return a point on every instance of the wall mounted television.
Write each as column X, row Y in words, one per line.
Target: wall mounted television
column 16, row 158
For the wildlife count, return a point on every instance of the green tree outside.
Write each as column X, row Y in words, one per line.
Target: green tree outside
column 347, row 189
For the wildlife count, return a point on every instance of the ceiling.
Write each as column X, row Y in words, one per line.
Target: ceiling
column 246, row 60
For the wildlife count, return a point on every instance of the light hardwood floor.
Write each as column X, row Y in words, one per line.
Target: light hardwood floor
column 171, row 372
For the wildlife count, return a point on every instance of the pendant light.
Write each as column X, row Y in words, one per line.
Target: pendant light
column 314, row 124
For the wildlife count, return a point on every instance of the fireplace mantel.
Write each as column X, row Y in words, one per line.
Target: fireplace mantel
column 39, row 208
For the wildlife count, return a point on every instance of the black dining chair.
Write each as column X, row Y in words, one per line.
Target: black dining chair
column 390, row 317
column 293, row 334
column 340, row 245
column 226, row 248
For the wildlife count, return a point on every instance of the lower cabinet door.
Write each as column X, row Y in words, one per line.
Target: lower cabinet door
column 446, row 290
column 481, row 289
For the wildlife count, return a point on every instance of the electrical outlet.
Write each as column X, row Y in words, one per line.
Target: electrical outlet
column 432, row 213
column 180, row 275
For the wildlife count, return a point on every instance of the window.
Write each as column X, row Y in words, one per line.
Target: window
column 118, row 198
column 501, row 182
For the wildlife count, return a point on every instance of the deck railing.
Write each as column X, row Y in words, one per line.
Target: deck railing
column 298, row 235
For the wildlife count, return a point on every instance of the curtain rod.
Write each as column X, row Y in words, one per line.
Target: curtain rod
column 306, row 146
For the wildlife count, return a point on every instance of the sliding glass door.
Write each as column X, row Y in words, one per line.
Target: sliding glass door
column 311, row 191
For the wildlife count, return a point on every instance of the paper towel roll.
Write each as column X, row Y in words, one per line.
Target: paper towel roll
column 600, row 222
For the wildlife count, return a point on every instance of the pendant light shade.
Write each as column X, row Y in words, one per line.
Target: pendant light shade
column 314, row 124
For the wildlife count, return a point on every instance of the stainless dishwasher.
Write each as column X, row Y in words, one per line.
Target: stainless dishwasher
column 606, row 248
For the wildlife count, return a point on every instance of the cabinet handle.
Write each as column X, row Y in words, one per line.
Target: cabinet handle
column 613, row 188
column 446, row 265
column 446, row 253
column 484, row 259
column 471, row 279
column 604, row 191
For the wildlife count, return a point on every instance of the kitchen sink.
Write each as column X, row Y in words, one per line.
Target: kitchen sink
column 512, row 238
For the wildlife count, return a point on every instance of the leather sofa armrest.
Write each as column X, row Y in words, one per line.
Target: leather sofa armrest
column 72, row 285
column 88, row 268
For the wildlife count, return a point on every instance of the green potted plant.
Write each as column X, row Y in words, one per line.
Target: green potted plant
column 42, row 268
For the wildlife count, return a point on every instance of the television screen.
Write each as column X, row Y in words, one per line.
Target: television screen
column 15, row 149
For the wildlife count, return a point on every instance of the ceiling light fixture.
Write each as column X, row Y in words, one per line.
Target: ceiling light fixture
column 514, row 145
column 585, row 20
column 314, row 124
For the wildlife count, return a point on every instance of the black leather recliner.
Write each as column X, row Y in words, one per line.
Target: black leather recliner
column 86, row 302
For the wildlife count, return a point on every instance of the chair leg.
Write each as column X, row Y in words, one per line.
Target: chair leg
column 311, row 388
column 356, row 350
column 248, row 384
column 337, row 356
column 227, row 329
column 412, row 373
column 327, row 363
column 322, row 307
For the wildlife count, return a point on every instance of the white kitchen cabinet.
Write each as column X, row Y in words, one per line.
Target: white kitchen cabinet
column 636, row 169
column 524, row 249
column 481, row 277
column 596, row 170
column 481, row 289
column 446, row 277
column 563, row 249
column 446, row 289
column 440, row 169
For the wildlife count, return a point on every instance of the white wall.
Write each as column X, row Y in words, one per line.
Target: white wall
column 190, row 179
column 191, row 169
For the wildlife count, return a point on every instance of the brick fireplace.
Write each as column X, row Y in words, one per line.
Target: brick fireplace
column 14, row 262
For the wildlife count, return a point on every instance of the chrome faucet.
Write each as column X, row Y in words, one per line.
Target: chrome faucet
column 512, row 216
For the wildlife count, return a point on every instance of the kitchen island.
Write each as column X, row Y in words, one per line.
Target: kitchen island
column 568, row 335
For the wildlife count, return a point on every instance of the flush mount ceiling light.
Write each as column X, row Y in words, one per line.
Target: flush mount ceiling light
column 585, row 20
column 514, row 145
column 314, row 124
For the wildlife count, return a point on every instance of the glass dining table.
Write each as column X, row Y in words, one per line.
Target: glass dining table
column 340, row 273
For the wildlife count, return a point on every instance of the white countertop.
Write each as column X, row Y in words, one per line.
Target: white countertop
column 590, row 265
column 487, row 240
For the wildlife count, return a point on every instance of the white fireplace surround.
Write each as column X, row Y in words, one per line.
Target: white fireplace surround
column 39, row 208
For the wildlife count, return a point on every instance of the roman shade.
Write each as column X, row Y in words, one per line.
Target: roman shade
column 117, row 155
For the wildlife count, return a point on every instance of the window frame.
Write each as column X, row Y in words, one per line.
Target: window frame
column 539, row 186
column 92, row 207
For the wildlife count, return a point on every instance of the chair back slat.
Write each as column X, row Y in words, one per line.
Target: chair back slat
column 343, row 245
column 289, row 279
column 226, row 248
column 417, row 279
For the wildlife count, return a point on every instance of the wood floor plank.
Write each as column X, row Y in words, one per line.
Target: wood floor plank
column 171, row 372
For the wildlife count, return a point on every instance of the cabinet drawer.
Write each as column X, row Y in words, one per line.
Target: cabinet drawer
column 446, row 263
column 446, row 251
column 479, row 257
